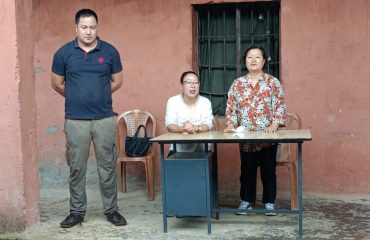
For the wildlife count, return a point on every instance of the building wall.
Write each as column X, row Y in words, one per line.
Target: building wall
column 325, row 55
column 324, row 52
column 19, row 161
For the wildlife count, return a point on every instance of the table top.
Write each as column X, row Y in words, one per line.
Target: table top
column 290, row 136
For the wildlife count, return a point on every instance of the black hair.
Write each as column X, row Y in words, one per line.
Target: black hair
column 255, row 47
column 183, row 75
column 85, row 13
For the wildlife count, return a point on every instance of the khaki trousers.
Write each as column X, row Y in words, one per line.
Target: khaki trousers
column 79, row 135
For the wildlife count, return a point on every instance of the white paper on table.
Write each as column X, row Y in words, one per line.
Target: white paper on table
column 240, row 129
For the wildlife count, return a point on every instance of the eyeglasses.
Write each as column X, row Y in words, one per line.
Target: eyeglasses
column 191, row 83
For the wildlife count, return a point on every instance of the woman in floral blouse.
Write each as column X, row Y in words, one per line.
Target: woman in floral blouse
column 256, row 102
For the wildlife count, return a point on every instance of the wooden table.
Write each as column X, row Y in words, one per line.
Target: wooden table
column 207, row 167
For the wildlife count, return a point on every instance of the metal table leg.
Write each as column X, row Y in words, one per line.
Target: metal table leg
column 300, row 210
column 164, row 205
column 215, row 181
column 208, row 188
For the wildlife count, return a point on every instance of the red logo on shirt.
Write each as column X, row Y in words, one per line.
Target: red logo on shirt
column 101, row 60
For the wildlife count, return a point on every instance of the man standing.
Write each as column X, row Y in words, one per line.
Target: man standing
column 86, row 71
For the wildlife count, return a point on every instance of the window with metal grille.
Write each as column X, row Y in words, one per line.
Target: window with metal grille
column 222, row 33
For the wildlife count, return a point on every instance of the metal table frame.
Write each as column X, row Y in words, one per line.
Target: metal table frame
column 215, row 137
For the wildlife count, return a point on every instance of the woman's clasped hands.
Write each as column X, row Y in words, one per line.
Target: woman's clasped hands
column 188, row 127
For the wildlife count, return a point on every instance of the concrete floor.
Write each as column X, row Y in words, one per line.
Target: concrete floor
column 329, row 217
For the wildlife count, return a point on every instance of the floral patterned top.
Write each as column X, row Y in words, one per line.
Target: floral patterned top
column 255, row 108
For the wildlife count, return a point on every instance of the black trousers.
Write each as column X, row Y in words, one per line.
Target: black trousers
column 250, row 161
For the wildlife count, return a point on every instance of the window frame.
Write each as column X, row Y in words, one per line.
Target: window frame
column 238, row 61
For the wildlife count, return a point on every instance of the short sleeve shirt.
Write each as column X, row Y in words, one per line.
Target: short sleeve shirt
column 255, row 108
column 177, row 112
column 87, row 91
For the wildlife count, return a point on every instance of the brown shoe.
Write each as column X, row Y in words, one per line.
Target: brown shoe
column 71, row 220
column 116, row 218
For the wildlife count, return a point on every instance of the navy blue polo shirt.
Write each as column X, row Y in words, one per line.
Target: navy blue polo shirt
column 87, row 91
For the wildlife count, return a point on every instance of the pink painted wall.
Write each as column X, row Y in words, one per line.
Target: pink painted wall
column 324, row 53
column 155, row 48
column 19, row 161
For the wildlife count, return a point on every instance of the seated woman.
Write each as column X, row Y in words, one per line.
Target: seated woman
column 188, row 112
column 256, row 102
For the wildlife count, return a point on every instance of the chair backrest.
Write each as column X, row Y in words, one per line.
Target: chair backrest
column 219, row 123
column 128, row 122
column 215, row 124
column 293, row 122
